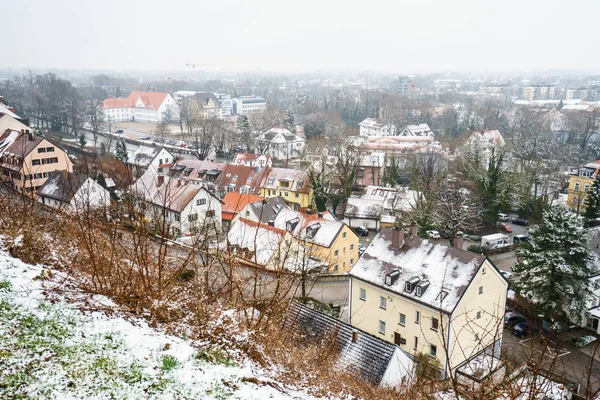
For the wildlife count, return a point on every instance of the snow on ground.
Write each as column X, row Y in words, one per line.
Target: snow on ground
column 53, row 350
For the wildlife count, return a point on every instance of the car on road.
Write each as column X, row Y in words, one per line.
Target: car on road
column 238, row 149
column 361, row 231
column 524, row 330
column 502, row 217
column 512, row 318
column 505, row 227
column 119, row 131
column 507, row 275
column 361, row 249
column 144, row 138
column 520, row 221
column 433, row 234
column 520, row 239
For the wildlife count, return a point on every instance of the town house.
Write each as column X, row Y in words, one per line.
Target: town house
column 291, row 184
column 427, row 297
column 68, row 191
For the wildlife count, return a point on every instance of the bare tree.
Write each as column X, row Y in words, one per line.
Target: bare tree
column 162, row 131
column 456, row 212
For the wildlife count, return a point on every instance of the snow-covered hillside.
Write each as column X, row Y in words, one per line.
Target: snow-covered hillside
column 53, row 350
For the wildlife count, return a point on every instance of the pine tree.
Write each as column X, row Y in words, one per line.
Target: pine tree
column 555, row 266
column 592, row 202
column 82, row 141
column 101, row 181
column 560, row 105
column 121, row 151
column 289, row 121
column 245, row 132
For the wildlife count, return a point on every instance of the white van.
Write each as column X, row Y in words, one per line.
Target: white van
column 503, row 217
column 494, row 241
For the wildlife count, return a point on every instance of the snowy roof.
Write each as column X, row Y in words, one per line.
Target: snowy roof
column 62, row 185
column 19, row 144
column 487, row 138
column 299, row 181
column 4, row 110
column 364, row 208
column 311, row 228
column 417, row 130
column 575, row 107
column 279, row 135
column 8, row 122
column 244, row 99
column 370, row 122
column 447, row 269
column 394, row 199
column 373, row 359
column 142, row 156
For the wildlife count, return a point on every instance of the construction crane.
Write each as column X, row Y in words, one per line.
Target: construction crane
column 194, row 65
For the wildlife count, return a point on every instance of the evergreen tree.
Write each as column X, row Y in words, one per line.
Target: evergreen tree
column 555, row 266
column 121, row 151
column 560, row 105
column 101, row 181
column 592, row 202
column 102, row 148
column 245, row 132
column 82, row 141
column 289, row 121
column 390, row 174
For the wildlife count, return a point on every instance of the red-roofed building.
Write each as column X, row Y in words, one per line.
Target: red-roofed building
column 233, row 203
column 141, row 106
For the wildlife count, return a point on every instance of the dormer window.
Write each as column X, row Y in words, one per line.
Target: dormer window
column 311, row 231
column 421, row 287
column 411, row 283
column 392, row 277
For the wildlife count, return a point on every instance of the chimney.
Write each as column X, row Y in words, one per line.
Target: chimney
column 271, row 222
column 320, row 214
column 354, row 336
column 459, row 242
column 29, row 134
column 397, row 238
column 414, row 230
column 178, row 182
column 160, row 181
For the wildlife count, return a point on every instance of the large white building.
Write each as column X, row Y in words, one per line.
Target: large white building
column 372, row 127
column 226, row 104
column 246, row 105
column 141, row 106
column 280, row 144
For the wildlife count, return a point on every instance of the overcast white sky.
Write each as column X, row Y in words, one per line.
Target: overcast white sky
column 279, row 35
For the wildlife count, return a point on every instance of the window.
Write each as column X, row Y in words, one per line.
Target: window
column 416, row 343
column 577, row 186
column 417, row 317
column 402, row 319
column 286, row 194
column 432, row 350
column 41, row 150
column 49, row 149
column 53, row 160
column 335, row 268
column 363, row 294
column 478, row 314
column 586, row 188
column 200, row 202
column 336, row 253
column 352, row 261
column 382, row 302
column 35, row 162
column 37, row 176
column 434, row 324
column 480, row 289
column 382, row 327
column 46, row 174
column 297, row 195
column 177, row 217
column 193, row 217
column 482, row 270
column 351, row 248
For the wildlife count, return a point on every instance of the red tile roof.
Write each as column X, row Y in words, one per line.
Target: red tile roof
column 151, row 100
column 233, row 202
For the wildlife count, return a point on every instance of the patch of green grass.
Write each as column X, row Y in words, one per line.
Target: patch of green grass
column 169, row 363
column 5, row 285
column 215, row 356
column 219, row 391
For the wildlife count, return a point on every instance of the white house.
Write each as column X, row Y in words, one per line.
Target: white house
column 141, row 106
column 417, row 130
column 73, row 192
column 253, row 160
column 280, row 144
column 185, row 208
column 372, row 127
column 157, row 159
column 246, row 105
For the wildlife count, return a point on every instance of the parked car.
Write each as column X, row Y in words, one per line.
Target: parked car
column 520, row 221
column 119, row 131
column 524, row 330
column 433, row 234
column 502, row 217
column 238, row 149
column 361, row 249
column 144, row 138
column 473, row 238
column 512, row 318
column 507, row 275
column 520, row 239
column 361, row 231
column 504, row 227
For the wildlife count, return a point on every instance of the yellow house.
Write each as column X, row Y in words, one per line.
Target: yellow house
column 291, row 184
column 427, row 297
column 579, row 184
column 206, row 105
column 325, row 239
column 27, row 161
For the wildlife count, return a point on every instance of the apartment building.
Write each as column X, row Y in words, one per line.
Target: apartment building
column 247, row 105
column 428, row 298
column 580, row 182
column 142, row 107
column 280, row 144
column 291, row 184
column 539, row 91
column 27, row 161
column 206, row 105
